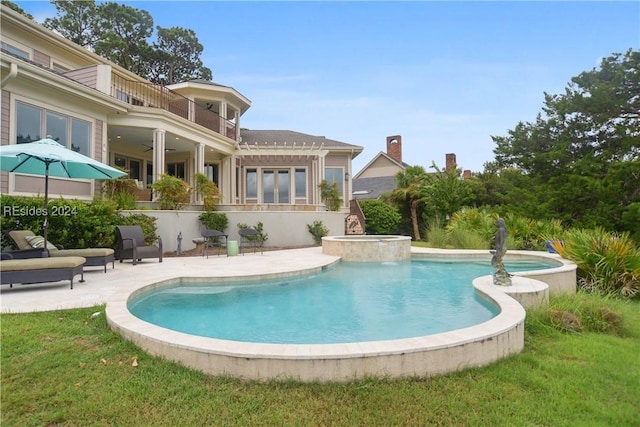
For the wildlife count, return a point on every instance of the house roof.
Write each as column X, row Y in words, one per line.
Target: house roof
column 372, row 188
column 401, row 165
column 280, row 137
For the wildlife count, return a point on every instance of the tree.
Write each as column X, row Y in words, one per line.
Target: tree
column 76, row 21
column 446, row 192
column 124, row 31
column 11, row 5
column 583, row 150
column 411, row 185
column 120, row 33
column 176, row 57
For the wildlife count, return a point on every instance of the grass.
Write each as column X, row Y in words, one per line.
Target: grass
column 68, row 368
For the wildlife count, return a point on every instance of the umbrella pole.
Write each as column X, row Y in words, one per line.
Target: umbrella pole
column 45, row 225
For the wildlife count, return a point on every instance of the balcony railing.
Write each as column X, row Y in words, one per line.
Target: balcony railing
column 157, row 96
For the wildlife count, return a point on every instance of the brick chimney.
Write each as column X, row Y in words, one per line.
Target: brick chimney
column 394, row 147
column 450, row 161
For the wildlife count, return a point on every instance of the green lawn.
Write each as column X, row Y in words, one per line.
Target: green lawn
column 68, row 368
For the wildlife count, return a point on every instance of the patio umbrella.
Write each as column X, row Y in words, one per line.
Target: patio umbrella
column 48, row 158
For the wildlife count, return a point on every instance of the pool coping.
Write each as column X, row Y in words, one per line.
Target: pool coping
column 427, row 355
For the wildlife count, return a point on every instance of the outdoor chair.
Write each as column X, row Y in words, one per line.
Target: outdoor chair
column 32, row 246
column 250, row 237
column 131, row 245
column 214, row 238
column 39, row 270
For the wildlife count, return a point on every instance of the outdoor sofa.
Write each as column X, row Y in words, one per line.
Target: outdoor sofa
column 31, row 246
column 39, row 270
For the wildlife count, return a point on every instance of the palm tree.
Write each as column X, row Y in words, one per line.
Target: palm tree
column 411, row 185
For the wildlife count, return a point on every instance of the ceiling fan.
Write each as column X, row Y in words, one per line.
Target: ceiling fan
column 151, row 148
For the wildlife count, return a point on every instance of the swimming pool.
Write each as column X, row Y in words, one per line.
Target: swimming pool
column 428, row 355
column 350, row 302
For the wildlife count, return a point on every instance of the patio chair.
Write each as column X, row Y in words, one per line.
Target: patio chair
column 39, row 270
column 250, row 237
column 214, row 238
column 131, row 245
column 32, row 246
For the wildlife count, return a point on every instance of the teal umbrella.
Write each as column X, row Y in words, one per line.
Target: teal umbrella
column 48, row 158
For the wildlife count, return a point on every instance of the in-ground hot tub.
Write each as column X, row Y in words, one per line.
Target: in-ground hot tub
column 368, row 248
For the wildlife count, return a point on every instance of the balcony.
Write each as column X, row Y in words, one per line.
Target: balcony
column 157, row 96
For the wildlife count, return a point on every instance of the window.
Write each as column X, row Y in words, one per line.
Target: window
column 332, row 175
column 301, row 183
column 252, row 183
column 15, row 51
column 134, row 166
column 29, row 123
column 176, row 169
column 211, row 171
column 33, row 123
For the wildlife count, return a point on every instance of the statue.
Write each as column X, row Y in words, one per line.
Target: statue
column 500, row 277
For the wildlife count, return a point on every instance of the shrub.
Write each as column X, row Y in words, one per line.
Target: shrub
column 318, row 231
column 608, row 263
column 172, row 192
column 122, row 191
column 214, row 221
column 330, row 195
column 72, row 223
column 208, row 190
column 381, row 218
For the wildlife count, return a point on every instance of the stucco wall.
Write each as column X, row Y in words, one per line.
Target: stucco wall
column 284, row 229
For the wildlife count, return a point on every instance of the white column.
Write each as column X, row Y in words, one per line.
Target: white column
column 158, row 154
column 223, row 116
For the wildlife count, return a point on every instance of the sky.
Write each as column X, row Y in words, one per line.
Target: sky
column 446, row 76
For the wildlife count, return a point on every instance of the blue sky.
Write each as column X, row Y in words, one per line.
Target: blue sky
column 444, row 75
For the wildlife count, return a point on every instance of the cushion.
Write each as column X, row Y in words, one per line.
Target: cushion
column 41, row 263
column 38, row 242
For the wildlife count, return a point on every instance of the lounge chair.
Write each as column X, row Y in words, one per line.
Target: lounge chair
column 213, row 238
column 39, row 270
column 131, row 244
column 28, row 245
column 250, row 237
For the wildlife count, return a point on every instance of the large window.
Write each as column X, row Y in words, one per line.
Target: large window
column 336, row 175
column 33, row 123
column 211, row 171
column 252, row 183
column 133, row 166
column 275, row 186
column 301, row 183
column 176, row 169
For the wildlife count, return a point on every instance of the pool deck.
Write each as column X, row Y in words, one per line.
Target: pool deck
column 99, row 287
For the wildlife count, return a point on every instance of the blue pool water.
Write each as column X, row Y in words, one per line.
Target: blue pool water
column 350, row 302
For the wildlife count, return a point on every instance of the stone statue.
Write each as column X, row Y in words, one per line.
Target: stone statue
column 500, row 277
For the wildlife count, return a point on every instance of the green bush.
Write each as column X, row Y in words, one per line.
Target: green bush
column 330, row 195
column 208, row 190
column 122, row 191
column 608, row 263
column 381, row 217
column 214, row 221
column 318, row 231
column 172, row 193
column 72, row 223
